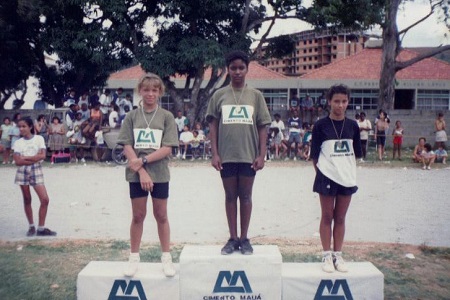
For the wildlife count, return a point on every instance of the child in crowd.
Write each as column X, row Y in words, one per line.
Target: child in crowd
column 148, row 135
column 306, row 141
column 5, row 139
column 277, row 142
column 29, row 152
column 381, row 127
column 418, row 149
column 14, row 132
column 428, row 157
column 334, row 149
column 196, row 144
column 397, row 133
column 186, row 138
column 99, row 143
column 238, row 116
column 441, row 155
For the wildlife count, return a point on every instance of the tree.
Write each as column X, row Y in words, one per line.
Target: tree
column 364, row 14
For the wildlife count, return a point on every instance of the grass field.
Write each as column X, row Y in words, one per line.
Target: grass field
column 42, row 269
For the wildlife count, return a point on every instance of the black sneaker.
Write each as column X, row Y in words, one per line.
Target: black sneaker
column 246, row 248
column 231, row 246
column 31, row 231
column 45, row 232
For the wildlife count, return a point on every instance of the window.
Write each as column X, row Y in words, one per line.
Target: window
column 433, row 100
column 167, row 103
column 363, row 100
column 276, row 99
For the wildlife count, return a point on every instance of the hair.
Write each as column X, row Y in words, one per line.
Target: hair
column 422, row 138
column 338, row 89
column 40, row 117
column 236, row 54
column 151, row 80
column 6, row 118
column 397, row 122
column 277, row 115
column 29, row 123
column 55, row 117
column 120, row 89
column 441, row 114
column 428, row 147
column 362, row 114
column 16, row 117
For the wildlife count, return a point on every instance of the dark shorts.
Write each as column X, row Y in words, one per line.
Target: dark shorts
column 294, row 138
column 160, row 190
column 327, row 187
column 381, row 138
column 237, row 169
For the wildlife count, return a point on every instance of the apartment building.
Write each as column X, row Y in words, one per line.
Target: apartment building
column 313, row 50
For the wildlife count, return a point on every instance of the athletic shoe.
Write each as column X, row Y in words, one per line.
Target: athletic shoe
column 286, row 159
column 246, row 247
column 428, row 168
column 31, row 231
column 231, row 246
column 424, row 168
column 328, row 265
column 83, row 160
column 45, row 232
column 168, row 268
column 339, row 263
column 295, row 158
column 132, row 266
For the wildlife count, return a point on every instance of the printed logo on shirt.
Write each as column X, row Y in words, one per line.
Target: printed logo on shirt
column 341, row 147
column 147, row 138
column 237, row 114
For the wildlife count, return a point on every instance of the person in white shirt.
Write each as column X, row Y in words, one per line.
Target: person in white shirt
column 105, row 105
column 364, row 128
column 114, row 118
column 186, row 138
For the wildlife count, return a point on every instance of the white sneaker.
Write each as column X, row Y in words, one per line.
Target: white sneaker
column 286, row 159
column 339, row 263
column 83, row 160
column 166, row 261
column 295, row 158
column 183, row 157
column 328, row 265
column 132, row 266
column 428, row 168
column 361, row 160
column 424, row 168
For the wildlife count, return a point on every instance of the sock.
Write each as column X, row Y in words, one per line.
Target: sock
column 41, row 228
column 166, row 254
column 326, row 253
column 337, row 253
column 31, row 225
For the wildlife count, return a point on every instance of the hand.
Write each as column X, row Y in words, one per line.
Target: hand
column 216, row 162
column 258, row 163
column 135, row 164
column 146, row 181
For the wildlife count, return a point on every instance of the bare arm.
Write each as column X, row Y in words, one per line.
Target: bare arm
column 28, row 160
column 213, row 136
column 258, row 164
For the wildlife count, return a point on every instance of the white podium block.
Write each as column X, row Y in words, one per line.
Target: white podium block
column 308, row 281
column 105, row 280
column 206, row 274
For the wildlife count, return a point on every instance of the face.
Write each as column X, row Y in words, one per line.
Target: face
column 150, row 94
column 237, row 70
column 55, row 121
column 362, row 117
column 338, row 104
column 421, row 142
column 6, row 121
column 24, row 129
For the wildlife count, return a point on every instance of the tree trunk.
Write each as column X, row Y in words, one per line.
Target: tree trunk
column 391, row 47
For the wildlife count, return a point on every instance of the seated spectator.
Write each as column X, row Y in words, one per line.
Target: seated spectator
column 441, row 155
column 114, row 121
column 70, row 99
column 85, row 112
column 96, row 113
column 84, row 98
column 417, row 153
column 428, row 157
column 294, row 124
column 197, row 144
column 277, row 145
column 76, row 138
column 306, row 141
column 71, row 115
column 185, row 140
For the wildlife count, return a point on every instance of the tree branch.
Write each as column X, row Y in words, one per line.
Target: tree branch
column 399, row 65
column 433, row 7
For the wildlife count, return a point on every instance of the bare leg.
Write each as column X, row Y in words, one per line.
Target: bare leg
column 160, row 214
column 230, row 185
column 27, row 203
column 327, row 207
column 340, row 210
column 139, row 209
column 41, row 191
column 245, row 199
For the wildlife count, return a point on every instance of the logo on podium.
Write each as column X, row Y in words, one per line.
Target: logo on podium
column 333, row 290
column 232, row 285
column 127, row 290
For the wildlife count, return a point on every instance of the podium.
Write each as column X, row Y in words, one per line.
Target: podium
column 308, row 281
column 206, row 274
column 105, row 280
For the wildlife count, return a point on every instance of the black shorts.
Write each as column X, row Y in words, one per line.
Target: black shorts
column 236, row 170
column 160, row 190
column 327, row 187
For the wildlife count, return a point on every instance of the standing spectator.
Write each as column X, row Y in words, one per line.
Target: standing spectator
column 70, row 98
column 105, row 106
column 294, row 125
column 186, row 138
column 418, row 149
column 85, row 112
column 99, row 144
column 96, row 114
column 148, row 169
column 441, row 155
column 56, row 135
column 41, row 127
column 117, row 96
column 114, row 117
column 335, row 146
column 93, row 98
column 29, row 152
column 397, row 133
column 181, row 121
column 71, row 115
column 125, row 106
column 238, row 116
column 428, row 156
column 364, row 128
column 6, row 139
column 14, row 132
column 294, row 102
column 84, row 98
column 381, row 127
column 322, row 105
column 308, row 108
column 439, row 126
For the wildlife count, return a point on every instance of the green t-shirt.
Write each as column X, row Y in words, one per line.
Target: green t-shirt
column 239, row 117
column 162, row 132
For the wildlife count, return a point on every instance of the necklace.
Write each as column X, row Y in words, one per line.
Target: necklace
column 143, row 115
column 238, row 102
column 339, row 137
